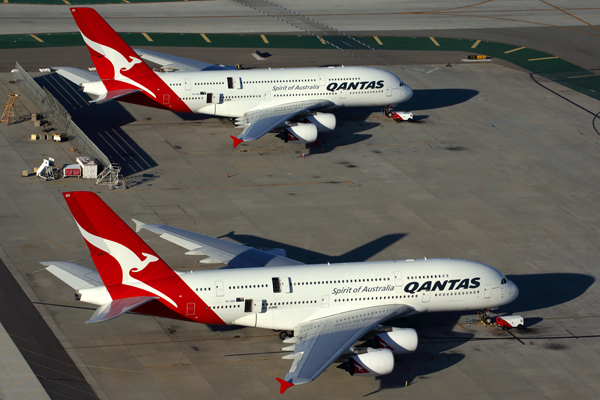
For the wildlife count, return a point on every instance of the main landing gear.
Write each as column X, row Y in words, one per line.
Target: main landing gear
column 284, row 335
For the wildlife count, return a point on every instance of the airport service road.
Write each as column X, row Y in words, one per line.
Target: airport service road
column 569, row 29
column 289, row 16
column 499, row 170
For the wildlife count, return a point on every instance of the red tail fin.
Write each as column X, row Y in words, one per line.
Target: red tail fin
column 128, row 267
column 117, row 64
column 119, row 254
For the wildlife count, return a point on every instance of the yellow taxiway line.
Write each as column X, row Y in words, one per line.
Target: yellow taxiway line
column 517, row 49
column 543, row 58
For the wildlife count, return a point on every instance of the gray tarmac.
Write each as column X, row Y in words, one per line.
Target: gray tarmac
column 498, row 169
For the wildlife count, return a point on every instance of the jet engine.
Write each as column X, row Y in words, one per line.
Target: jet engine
column 301, row 133
column 324, row 122
column 374, row 362
column 399, row 340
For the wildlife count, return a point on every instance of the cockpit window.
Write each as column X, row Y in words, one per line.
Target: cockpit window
column 401, row 83
column 503, row 281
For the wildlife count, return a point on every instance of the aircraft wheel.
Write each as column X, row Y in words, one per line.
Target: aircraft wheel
column 283, row 335
column 487, row 320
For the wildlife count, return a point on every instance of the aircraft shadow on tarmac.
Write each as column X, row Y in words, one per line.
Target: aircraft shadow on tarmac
column 430, row 99
column 541, row 291
column 361, row 253
column 101, row 123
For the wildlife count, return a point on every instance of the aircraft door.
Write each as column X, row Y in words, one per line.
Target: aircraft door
column 234, row 83
column 425, row 296
column 220, row 288
column 322, row 80
column 166, row 99
column 209, row 98
column 388, row 92
column 267, row 96
column 325, row 301
column 248, row 305
column 259, row 306
column 188, row 84
column 398, row 278
column 191, row 309
column 342, row 94
column 487, row 291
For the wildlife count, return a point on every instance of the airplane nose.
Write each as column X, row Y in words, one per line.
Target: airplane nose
column 514, row 290
column 408, row 93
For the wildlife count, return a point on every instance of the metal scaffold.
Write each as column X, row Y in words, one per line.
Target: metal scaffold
column 112, row 177
column 10, row 116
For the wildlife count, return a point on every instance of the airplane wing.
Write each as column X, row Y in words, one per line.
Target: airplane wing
column 74, row 275
column 322, row 341
column 258, row 122
column 219, row 251
column 179, row 63
column 76, row 75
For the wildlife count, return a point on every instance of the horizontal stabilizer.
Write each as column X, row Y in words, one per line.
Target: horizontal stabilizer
column 76, row 75
column 114, row 94
column 117, row 307
column 74, row 275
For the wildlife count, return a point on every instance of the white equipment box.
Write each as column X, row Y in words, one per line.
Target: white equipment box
column 89, row 166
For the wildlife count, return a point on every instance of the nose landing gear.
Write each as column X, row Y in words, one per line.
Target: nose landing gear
column 486, row 317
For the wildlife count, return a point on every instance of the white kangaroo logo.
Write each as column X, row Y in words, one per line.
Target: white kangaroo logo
column 130, row 64
column 128, row 261
column 118, row 61
column 359, row 368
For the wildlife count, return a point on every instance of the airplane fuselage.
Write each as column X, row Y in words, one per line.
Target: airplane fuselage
column 232, row 93
column 283, row 297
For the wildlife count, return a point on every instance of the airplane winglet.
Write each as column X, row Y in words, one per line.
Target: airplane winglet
column 236, row 141
column 285, row 385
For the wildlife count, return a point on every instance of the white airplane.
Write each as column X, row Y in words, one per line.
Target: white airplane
column 322, row 310
column 298, row 101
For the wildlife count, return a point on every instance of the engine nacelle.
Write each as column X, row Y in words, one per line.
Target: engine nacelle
column 324, row 122
column 301, row 133
column 399, row 340
column 374, row 362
